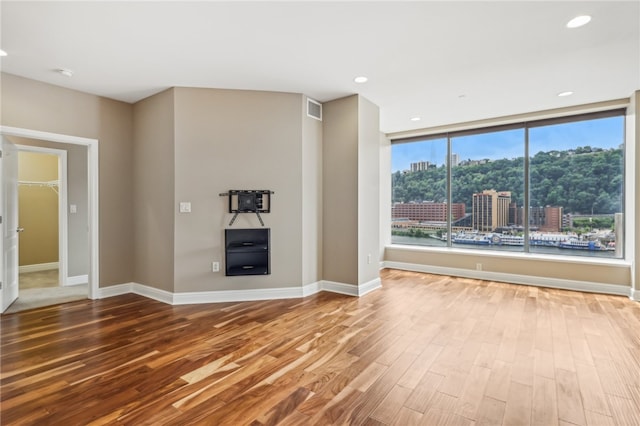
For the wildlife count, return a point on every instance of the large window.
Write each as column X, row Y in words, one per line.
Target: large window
column 550, row 186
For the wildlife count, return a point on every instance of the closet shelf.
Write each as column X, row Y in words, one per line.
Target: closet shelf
column 53, row 184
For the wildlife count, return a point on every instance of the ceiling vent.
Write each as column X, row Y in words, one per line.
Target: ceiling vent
column 314, row 109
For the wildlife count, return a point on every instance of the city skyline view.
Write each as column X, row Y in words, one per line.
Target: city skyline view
column 576, row 169
column 605, row 133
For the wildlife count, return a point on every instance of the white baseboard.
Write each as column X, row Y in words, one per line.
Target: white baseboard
column 77, row 280
column 369, row 286
column 350, row 289
column 114, row 290
column 341, row 288
column 634, row 295
column 221, row 296
column 153, row 293
column 585, row 286
column 236, row 295
column 38, row 267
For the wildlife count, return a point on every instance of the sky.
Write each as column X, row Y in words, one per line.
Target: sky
column 603, row 133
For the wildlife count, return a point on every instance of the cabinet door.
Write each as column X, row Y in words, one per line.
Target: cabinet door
column 248, row 263
column 247, row 251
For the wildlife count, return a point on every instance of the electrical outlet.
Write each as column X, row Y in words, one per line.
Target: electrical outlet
column 369, row 259
column 215, row 266
column 478, row 266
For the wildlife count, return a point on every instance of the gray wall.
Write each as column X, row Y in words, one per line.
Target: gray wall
column 37, row 106
column 153, row 189
column 231, row 139
column 340, row 190
column 311, row 197
column 351, row 194
column 368, row 192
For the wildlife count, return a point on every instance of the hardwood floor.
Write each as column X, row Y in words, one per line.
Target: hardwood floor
column 423, row 350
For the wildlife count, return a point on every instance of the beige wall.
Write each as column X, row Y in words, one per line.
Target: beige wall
column 311, row 197
column 38, row 106
column 153, row 189
column 340, row 190
column 232, row 139
column 368, row 192
column 351, row 205
column 38, row 209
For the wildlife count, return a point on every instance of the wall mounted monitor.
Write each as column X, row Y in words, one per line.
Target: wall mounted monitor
column 249, row 201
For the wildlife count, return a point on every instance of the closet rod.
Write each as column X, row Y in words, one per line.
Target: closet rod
column 53, row 184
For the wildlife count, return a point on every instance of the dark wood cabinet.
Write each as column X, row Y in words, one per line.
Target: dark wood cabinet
column 247, row 251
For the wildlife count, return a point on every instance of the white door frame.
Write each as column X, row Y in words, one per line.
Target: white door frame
column 93, row 168
column 63, row 231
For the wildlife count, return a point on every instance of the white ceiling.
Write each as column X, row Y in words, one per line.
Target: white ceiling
column 447, row 62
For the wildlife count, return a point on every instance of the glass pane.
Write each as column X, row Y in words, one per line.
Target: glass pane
column 576, row 188
column 487, row 186
column 419, row 193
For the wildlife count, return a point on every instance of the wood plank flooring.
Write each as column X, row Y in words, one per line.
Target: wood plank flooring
column 423, row 350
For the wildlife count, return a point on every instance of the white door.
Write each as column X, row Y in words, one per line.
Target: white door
column 9, row 228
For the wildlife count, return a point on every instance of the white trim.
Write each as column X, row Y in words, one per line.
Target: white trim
column 236, row 295
column 585, row 286
column 63, row 230
column 634, row 295
column 37, row 267
column 578, row 260
column 370, row 286
column 115, row 290
column 93, row 171
column 311, row 289
column 77, row 280
column 153, row 293
column 341, row 288
column 222, row 296
column 511, row 119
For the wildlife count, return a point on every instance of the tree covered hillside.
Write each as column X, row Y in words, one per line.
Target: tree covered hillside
column 583, row 181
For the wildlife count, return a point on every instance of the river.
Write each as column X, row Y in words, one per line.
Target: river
column 432, row 242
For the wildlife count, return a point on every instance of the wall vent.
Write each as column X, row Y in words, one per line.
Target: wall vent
column 314, row 109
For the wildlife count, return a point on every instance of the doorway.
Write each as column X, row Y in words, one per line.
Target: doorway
column 53, row 241
column 42, row 221
column 66, row 273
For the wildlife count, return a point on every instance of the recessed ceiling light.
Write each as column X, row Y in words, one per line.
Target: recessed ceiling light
column 579, row 21
column 65, row 72
column 360, row 79
column 416, row 118
column 3, row 53
column 567, row 93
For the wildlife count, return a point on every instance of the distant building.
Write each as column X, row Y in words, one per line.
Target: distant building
column 490, row 210
column 548, row 219
column 427, row 211
column 474, row 162
column 553, row 219
column 420, row 166
column 537, row 217
column 455, row 159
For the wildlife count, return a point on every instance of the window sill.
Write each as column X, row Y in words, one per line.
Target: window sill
column 580, row 260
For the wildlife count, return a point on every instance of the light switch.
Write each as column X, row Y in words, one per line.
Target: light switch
column 73, row 208
column 185, row 207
